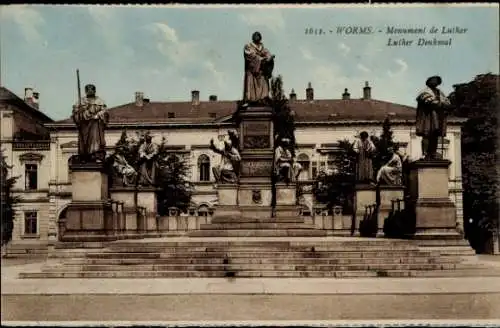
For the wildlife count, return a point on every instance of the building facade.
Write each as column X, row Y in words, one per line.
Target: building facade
column 188, row 127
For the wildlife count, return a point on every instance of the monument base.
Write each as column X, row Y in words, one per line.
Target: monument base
column 89, row 221
column 388, row 193
column 366, row 195
column 435, row 213
column 258, row 195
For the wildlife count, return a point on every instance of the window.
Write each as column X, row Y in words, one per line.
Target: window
column 303, row 160
column 331, row 162
column 203, row 211
column 204, row 167
column 30, row 223
column 171, row 115
column 31, row 176
column 314, row 170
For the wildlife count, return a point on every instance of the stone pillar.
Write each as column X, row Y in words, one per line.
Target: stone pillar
column 286, row 194
column 227, row 198
column 257, row 147
column 90, row 214
column 435, row 213
column 388, row 193
column 337, row 218
column 146, row 198
column 366, row 195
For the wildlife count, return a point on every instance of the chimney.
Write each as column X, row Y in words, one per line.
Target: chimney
column 195, row 97
column 28, row 95
column 367, row 91
column 139, row 99
column 293, row 95
column 35, row 99
column 212, row 98
column 346, row 95
column 309, row 92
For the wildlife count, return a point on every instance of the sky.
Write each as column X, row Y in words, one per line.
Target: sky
column 167, row 51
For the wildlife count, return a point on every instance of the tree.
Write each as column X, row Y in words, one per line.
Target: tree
column 382, row 145
column 336, row 187
column 173, row 179
column 8, row 200
column 283, row 116
column 172, row 174
column 477, row 101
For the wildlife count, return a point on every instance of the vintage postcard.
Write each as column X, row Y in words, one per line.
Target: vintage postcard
column 302, row 165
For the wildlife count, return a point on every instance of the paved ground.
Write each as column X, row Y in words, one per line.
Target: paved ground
column 468, row 298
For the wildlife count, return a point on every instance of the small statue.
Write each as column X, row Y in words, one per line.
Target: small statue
column 365, row 149
column 147, row 161
column 391, row 173
column 259, row 64
column 285, row 167
column 431, row 116
column 91, row 117
column 123, row 168
column 228, row 169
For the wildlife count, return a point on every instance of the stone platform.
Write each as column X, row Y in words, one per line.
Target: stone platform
column 252, row 257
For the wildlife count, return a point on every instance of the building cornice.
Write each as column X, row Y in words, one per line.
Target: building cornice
column 149, row 125
column 211, row 125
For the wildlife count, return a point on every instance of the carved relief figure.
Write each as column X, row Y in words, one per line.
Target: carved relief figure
column 391, row 172
column 431, row 116
column 285, row 166
column 91, row 118
column 228, row 168
column 147, row 161
column 259, row 64
column 365, row 149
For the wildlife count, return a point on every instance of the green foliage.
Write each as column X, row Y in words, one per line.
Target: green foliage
column 283, row 116
column 8, row 200
column 477, row 101
column 175, row 188
column 172, row 174
column 336, row 187
column 382, row 145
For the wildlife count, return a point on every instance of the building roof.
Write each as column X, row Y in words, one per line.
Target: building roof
column 207, row 112
column 9, row 97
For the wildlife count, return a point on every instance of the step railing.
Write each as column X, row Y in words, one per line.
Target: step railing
column 368, row 226
column 400, row 223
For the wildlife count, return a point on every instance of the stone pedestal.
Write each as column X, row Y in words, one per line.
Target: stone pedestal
column 227, row 194
column 429, row 197
column 366, row 195
column 146, row 198
column 89, row 216
column 286, row 194
column 227, row 206
column 255, row 194
column 388, row 193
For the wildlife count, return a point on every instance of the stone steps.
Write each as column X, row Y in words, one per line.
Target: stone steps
column 253, row 267
column 260, row 260
column 254, row 252
column 256, row 274
column 239, row 220
column 255, row 226
column 259, row 233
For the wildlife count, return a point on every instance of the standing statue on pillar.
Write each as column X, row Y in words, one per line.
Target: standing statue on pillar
column 431, row 117
column 147, row 163
column 91, row 117
column 259, row 65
